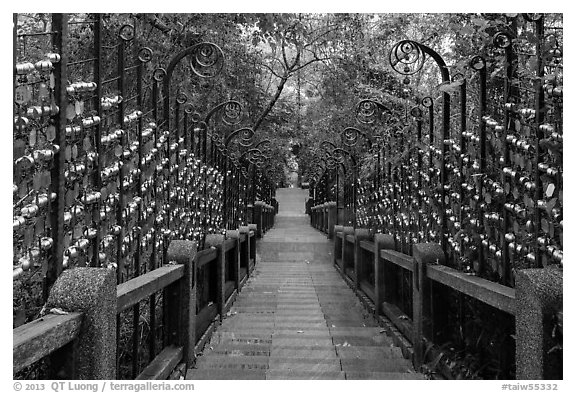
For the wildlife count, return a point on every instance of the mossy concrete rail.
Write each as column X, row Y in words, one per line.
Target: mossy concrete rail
column 78, row 333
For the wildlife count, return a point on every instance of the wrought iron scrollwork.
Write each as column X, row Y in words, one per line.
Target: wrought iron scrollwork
column 206, row 60
column 159, row 74
column 145, row 54
column 350, row 136
column 126, row 32
column 368, row 111
column 232, row 113
column 427, row 102
column 245, row 135
column 407, row 58
column 502, row 40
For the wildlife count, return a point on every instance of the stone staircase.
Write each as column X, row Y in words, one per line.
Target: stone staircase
column 296, row 318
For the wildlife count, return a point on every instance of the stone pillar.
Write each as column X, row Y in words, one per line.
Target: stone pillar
column 538, row 301
column 183, row 304
column 91, row 291
column 337, row 251
column 347, row 249
column 217, row 241
column 359, row 235
column 331, row 218
column 235, row 234
column 381, row 242
column 258, row 218
column 253, row 228
column 424, row 254
column 245, row 256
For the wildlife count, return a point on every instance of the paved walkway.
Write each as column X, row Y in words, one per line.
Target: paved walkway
column 296, row 318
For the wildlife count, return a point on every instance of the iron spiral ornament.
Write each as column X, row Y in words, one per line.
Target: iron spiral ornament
column 332, row 162
column 232, row 113
column 407, row 58
column 246, row 137
column 416, row 112
column 181, row 98
column 126, row 32
column 477, row 63
column 502, row 40
column 427, row 102
column 159, row 74
column 206, row 60
column 350, row 136
column 145, row 54
column 367, row 112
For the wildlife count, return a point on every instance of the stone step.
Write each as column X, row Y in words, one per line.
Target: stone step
column 368, row 375
column 265, row 362
column 231, row 374
column 382, row 365
column 228, row 374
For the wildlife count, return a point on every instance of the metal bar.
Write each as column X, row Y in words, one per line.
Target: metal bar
column 97, row 77
column 59, row 45
column 482, row 163
column 540, row 105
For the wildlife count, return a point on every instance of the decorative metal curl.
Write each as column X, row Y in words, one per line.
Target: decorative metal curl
column 327, row 145
column 350, row 136
column 206, row 60
column 159, row 74
column 145, row 54
column 427, row 102
column 181, row 98
column 196, row 116
column 245, row 134
column 126, row 32
column 416, row 112
column 339, row 153
column 368, row 111
column 332, row 162
column 407, row 57
column 502, row 40
column 232, row 113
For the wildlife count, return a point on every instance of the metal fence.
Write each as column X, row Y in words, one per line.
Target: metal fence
column 112, row 161
column 478, row 168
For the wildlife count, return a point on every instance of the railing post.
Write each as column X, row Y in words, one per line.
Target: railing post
column 359, row 235
column 347, row 249
column 235, row 234
column 183, row 304
column 538, row 300
column 258, row 218
column 325, row 217
column 252, row 228
column 381, row 242
column 91, row 291
column 245, row 256
column 217, row 241
column 424, row 254
column 338, row 246
column 331, row 219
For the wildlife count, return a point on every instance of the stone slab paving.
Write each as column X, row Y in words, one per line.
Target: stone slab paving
column 296, row 318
